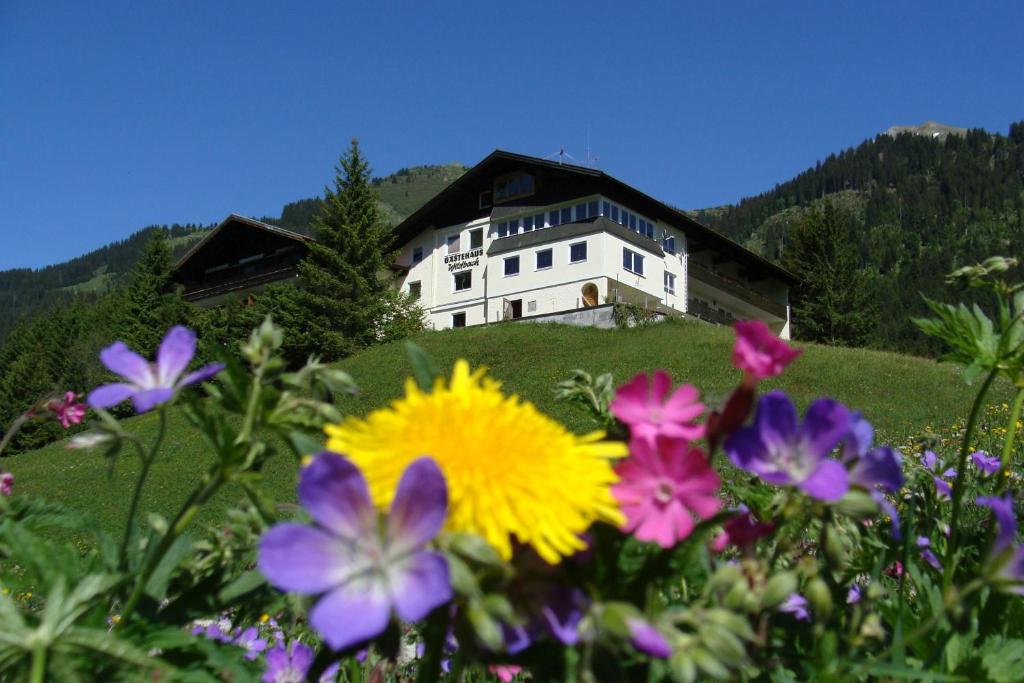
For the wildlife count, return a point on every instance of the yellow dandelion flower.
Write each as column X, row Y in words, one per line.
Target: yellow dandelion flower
column 264, row 618
column 512, row 472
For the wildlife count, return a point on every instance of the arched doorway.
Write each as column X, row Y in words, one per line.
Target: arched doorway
column 590, row 295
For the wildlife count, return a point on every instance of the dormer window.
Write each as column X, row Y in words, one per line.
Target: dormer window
column 512, row 186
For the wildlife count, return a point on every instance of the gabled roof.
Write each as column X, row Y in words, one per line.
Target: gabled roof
column 498, row 161
column 244, row 220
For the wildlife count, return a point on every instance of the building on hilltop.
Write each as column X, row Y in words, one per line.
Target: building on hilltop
column 518, row 237
column 522, row 237
column 238, row 257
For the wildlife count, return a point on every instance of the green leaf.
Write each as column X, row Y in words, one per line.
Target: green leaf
column 106, row 643
column 244, row 584
column 1003, row 659
column 424, row 369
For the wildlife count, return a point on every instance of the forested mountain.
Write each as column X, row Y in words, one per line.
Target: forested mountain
column 24, row 290
column 916, row 206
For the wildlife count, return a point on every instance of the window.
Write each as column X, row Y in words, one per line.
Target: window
column 485, row 199
column 516, row 306
column 414, row 290
column 646, row 228
column 531, row 306
column 581, row 212
column 476, row 238
column 502, row 229
column 513, row 227
column 632, row 222
column 670, row 283
column 463, row 280
column 606, row 209
column 552, row 217
column 625, row 218
column 453, row 244
column 417, row 254
column 458, row 319
column 512, row 186
column 567, row 215
column 592, row 209
column 544, row 259
column 527, row 223
column 577, row 252
column 632, row 261
column 538, row 221
column 615, row 213
column 511, row 266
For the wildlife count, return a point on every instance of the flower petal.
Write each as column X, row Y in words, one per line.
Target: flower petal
column 776, row 420
column 110, row 395
column 352, row 613
column 648, row 639
column 334, row 492
column 299, row 558
column 174, row 355
column 660, row 384
column 130, row 365
column 880, row 466
column 419, row 583
column 419, row 507
column 562, row 612
column 826, row 422
column 829, row 481
column 150, row 398
column 201, row 375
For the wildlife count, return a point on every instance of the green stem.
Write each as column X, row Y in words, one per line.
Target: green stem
column 14, row 429
column 961, row 473
column 180, row 523
column 38, row 673
column 147, row 461
column 1011, row 436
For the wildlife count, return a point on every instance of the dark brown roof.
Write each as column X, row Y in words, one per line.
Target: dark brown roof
column 244, row 220
column 464, row 192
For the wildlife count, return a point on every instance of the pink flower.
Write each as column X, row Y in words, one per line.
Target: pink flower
column 67, row 410
column 741, row 530
column 504, row 672
column 6, row 483
column 649, row 415
column 758, row 352
column 662, row 488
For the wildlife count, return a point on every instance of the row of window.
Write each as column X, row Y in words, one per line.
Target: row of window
column 545, row 258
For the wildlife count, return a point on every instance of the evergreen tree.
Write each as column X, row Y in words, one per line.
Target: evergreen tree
column 834, row 302
column 345, row 276
column 150, row 304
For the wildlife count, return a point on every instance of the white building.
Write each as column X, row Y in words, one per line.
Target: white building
column 518, row 237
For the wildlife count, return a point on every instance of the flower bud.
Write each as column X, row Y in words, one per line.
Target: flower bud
column 820, row 597
column 777, row 589
column 835, row 548
column 857, row 504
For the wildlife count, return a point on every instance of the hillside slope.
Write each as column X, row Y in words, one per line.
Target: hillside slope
column 901, row 395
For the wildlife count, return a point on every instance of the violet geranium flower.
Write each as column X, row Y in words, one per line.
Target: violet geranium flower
column 250, row 641
column 759, row 353
column 796, row 605
column 874, row 468
column 782, row 452
column 288, row 667
column 662, row 489
column 647, row 639
column 150, row 384
column 361, row 570
column 642, row 405
column 988, row 464
column 1006, row 519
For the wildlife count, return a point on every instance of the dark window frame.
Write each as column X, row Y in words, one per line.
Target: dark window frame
column 506, row 262
column 455, row 280
column 551, row 259
column 572, row 248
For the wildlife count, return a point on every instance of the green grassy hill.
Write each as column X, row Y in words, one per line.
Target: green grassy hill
column 901, row 395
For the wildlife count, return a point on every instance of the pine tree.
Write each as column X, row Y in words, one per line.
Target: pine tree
column 149, row 304
column 345, row 276
column 834, row 302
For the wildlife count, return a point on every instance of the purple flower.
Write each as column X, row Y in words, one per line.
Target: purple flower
column 283, row 667
column 1002, row 510
column 782, row 452
column 6, row 483
column 925, row 544
column 552, row 609
column 150, row 384
column 648, row 639
column 796, row 605
column 250, row 640
column 988, row 464
column 934, row 463
column 943, row 489
column 854, row 595
column 361, row 569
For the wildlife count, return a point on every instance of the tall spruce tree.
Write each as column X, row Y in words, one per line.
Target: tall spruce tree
column 834, row 303
column 345, row 277
column 150, row 304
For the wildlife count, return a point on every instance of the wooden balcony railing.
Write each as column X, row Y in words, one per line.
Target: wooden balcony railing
column 209, row 290
column 740, row 291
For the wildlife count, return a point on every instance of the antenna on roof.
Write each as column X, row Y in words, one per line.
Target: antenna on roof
column 562, row 155
column 566, row 158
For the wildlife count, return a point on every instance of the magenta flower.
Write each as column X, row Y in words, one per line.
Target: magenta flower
column 6, row 483
column 288, row 667
column 648, row 639
column 361, row 570
column 505, row 672
column 662, row 488
column 741, row 530
column 988, row 464
column 781, row 451
column 758, row 352
column 67, row 410
column 643, row 407
column 150, row 384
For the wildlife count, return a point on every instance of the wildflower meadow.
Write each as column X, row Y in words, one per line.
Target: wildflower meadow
column 460, row 534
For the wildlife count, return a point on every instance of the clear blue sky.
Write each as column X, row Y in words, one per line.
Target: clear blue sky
column 114, row 116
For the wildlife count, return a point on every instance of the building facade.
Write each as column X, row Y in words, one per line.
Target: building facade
column 517, row 237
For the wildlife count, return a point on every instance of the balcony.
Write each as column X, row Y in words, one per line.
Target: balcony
column 239, row 282
column 729, row 286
